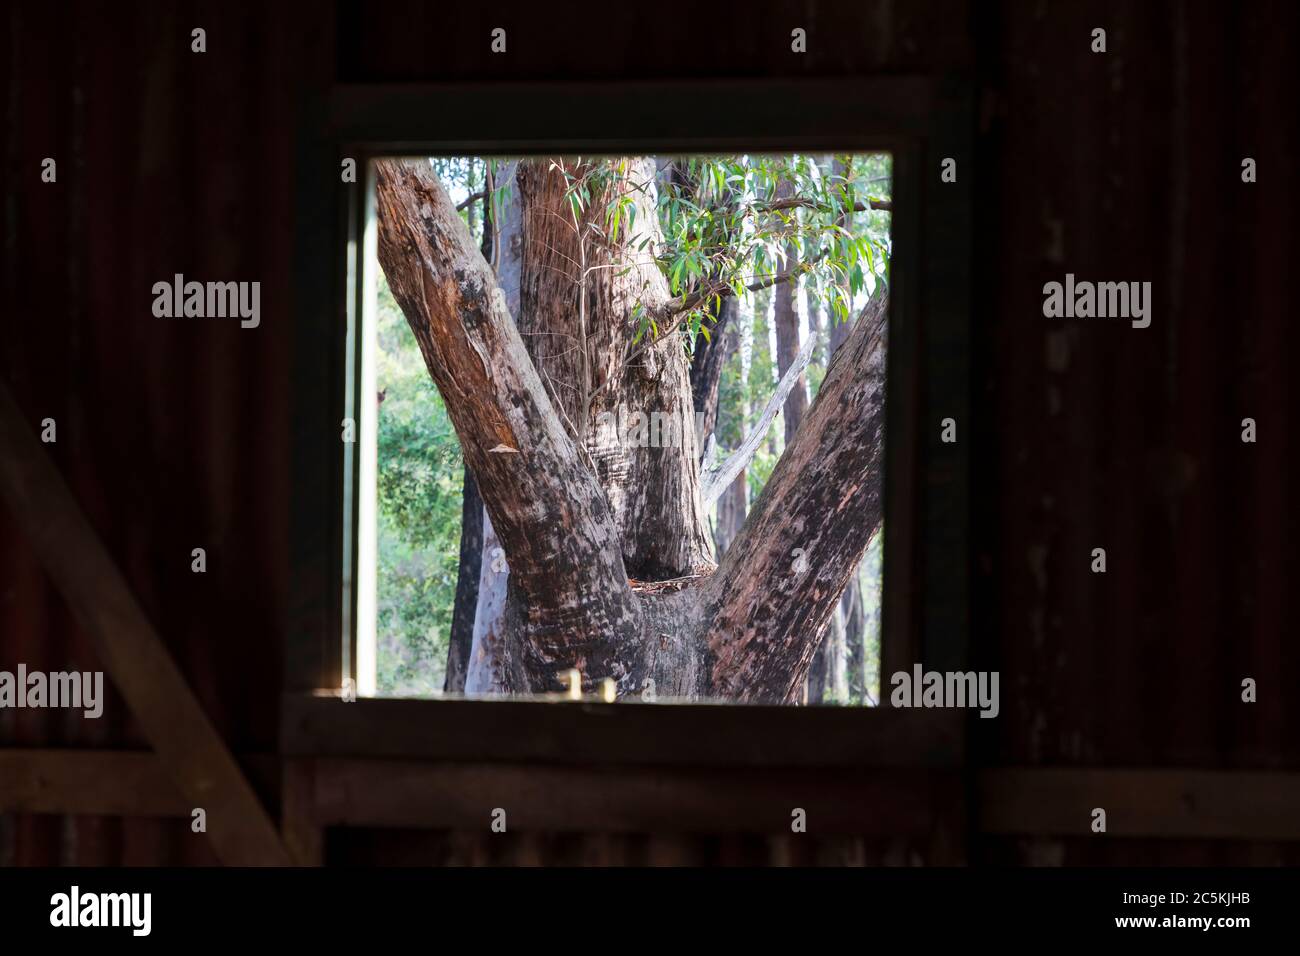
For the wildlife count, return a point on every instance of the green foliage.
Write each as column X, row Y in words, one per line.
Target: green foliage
column 730, row 223
column 419, row 501
column 733, row 222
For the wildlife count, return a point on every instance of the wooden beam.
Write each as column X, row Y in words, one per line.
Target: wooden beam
column 131, row 651
column 92, row 782
column 1237, row 804
column 391, row 793
column 702, row 735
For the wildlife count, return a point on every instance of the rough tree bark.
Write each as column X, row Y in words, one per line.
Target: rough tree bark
column 563, row 517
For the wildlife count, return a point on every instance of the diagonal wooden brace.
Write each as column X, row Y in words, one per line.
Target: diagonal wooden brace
column 135, row 657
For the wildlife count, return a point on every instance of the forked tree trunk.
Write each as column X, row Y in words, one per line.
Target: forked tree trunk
column 572, row 510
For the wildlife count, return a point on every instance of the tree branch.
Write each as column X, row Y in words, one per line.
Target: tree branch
column 702, row 294
column 471, row 199
column 676, row 310
column 715, row 480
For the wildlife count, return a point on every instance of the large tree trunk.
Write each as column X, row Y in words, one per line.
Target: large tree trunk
column 573, row 510
column 577, row 295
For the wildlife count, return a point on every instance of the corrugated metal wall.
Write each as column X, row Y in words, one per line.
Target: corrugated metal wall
column 175, row 435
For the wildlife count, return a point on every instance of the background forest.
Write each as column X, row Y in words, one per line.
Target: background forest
column 843, row 238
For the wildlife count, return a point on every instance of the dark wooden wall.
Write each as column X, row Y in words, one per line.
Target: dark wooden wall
column 1094, row 434
column 1121, row 167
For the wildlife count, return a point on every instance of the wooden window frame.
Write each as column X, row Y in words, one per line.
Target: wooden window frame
column 925, row 612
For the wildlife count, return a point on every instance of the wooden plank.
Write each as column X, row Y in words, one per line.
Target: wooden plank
column 1243, row 805
column 624, row 733
column 672, row 801
column 804, row 114
column 131, row 651
column 391, row 793
column 93, row 782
